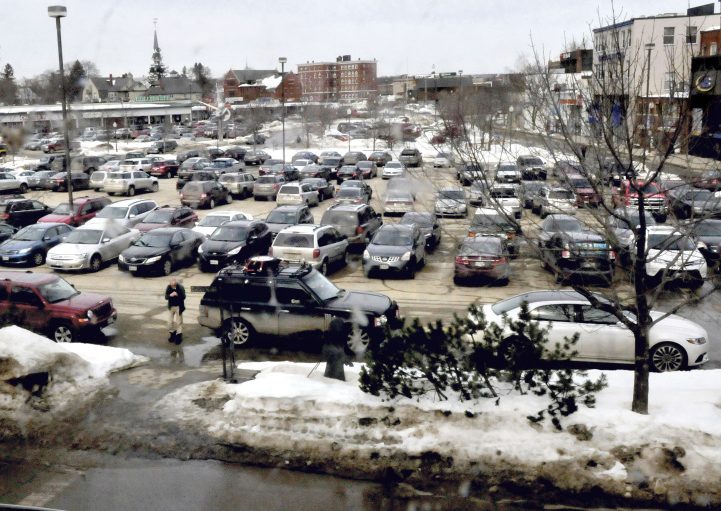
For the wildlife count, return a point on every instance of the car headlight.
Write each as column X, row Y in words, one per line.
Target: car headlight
column 406, row 256
column 151, row 260
column 24, row 250
column 90, row 314
column 380, row 320
column 121, row 258
column 366, row 254
column 200, row 249
column 235, row 251
column 696, row 340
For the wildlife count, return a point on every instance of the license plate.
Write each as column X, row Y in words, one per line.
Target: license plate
column 212, row 261
column 481, row 264
column 6, row 258
column 384, row 266
column 588, row 264
column 133, row 268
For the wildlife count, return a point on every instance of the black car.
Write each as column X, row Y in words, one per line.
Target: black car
column 161, row 250
column 204, row 194
column 315, row 170
column 571, row 251
column 163, row 147
column 325, row 189
column 284, row 216
column 305, row 155
column 58, row 182
column 236, row 152
column 468, row 172
column 22, row 212
column 427, row 223
column 243, row 303
column 687, row 202
column 288, row 171
column 181, row 157
column 353, row 157
column 531, row 167
column 380, row 158
column 215, row 152
column 234, row 242
column 708, row 233
column 255, row 157
column 347, row 172
column 530, row 189
column 195, row 175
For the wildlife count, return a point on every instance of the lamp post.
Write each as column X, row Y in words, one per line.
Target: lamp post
column 282, row 61
column 57, row 12
column 115, row 135
column 349, row 111
column 649, row 47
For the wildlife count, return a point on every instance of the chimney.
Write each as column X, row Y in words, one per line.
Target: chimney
column 110, row 79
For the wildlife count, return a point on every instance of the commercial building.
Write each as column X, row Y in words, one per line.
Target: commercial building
column 342, row 80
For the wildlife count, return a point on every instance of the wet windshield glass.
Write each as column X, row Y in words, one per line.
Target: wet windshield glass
column 57, row 291
column 229, row 234
column 153, row 240
column 213, row 220
column 281, row 217
column 392, row 237
column 321, row 286
column 84, row 237
column 669, row 242
column 159, row 217
column 30, row 233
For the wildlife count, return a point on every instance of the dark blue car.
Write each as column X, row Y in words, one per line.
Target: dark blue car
column 30, row 244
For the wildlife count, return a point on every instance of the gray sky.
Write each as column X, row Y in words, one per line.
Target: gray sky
column 405, row 36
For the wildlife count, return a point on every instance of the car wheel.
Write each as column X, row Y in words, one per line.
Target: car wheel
column 211, row 204
column 324, row 267
column 154, row 187
column 131, row 191
column 95, row 263
column 229, row 199
column 516, row 351
column 23, row 188
column 358, row 339
column 543, row 213
column 345, row 258
column 38, row 258
column 238, row 331
column 62, row 332
column 167, row 267
column 668, row 357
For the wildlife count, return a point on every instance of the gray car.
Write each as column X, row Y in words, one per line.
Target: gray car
column 358, row 222
column 428, row 224
column 398, row 248
column 240, row 184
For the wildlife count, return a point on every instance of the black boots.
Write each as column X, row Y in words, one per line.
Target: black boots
column 175, row 337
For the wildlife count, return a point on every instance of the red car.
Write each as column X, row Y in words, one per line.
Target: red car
column 166, row 169
column 84, row 208
column 182, row 216
column 627, row 194
column 586, row 195
column 48, row 304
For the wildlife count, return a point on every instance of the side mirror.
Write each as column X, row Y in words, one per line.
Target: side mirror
column 132, row 215
column 106, row 240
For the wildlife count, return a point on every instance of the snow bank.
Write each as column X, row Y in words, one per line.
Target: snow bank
column 671, row 455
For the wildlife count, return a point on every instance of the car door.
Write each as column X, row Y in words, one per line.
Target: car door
column 37, row 210
column 298, row 310
column 559, row 319
column 29, row 306
column 419, row 245
column 179, row 248
column 602, row 337
column 52, row 237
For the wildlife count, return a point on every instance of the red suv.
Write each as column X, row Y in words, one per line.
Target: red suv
column 166, row 169
column 84, row 208
column 47, row 303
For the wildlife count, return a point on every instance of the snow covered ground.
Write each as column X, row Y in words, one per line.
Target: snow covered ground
column 672, row 455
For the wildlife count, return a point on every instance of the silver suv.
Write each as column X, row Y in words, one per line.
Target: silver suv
column 319, row 245
column 240, row 184
column 129, row 212
column 553, row 200
column 411, row 158
column 129, row 182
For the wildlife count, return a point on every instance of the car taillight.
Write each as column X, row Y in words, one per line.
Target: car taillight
column 203, row 195
column 612, row 255
column 359, row 229
column 500, row 260
column 270, row 251
column 316, row 253
column 565, row 253
column 462, row 260
column 5, row 216
column 471, row 234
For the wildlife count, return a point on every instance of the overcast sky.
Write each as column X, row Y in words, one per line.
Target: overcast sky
column 404, row 36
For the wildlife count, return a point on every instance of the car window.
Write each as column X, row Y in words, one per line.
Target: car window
column 591, row 314
column 38, row 205
column 3, row 293
column 286, row 294
column 23, row 295
column 555, row 312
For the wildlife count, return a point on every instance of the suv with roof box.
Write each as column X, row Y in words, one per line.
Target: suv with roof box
column 47, row 303
column 319, row 245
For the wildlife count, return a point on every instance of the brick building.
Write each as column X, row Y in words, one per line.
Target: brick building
column 342, row 80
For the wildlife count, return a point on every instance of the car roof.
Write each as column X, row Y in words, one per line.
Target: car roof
column 305, row 228
column 227, row 212
column 289, row 207
column 349, row 207
column 486, row 211
column 240, row 223
column 27, row 277
column 127, row 202
column 551, row 296
column 167, row 230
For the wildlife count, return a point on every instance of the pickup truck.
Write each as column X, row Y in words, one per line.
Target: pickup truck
column 628, row 192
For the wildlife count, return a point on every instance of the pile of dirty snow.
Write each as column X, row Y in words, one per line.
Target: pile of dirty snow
column 670, row 455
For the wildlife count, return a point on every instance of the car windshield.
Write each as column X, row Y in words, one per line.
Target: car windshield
column 349, row 192
column 229, row 234
column 531, row 161
column 293, row 239
column 159, row 217
column 480, row 246
column 560, row 194
column 153, row 240
column 418, row 219
column 503, row 193
column 30, row 233
column 57, row 291
column 229, row 178
column 399, row 195
column 84, row 237
column 490, row 220
column 340, row 218
column 563, row 225
column 673, row 242
column 394, row 165
column 708, row 228
column 281, row 217
column 699, row 195
column 580, row 183
column 507, row 167
column 112, row 212
column 321, row 286
column 62, row 209
column 331, row 161
column 452, row 194
column 290, row 190
column 213, row 220
column 262, row 180
column 193, row 187
column 393, row 237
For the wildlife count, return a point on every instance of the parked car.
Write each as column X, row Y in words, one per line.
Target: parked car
column 87, row 164
column 255, row 157
column 240, row 305
column 193, row 163
column 239, row 184
column 482, row 257
column 301, row 163
column 214, row 219
column 564, row 168
column 532, row 167
column 367, row 169
column 529, row 191
column 264, row 168
column 84, row 208
column 380, row 158
column 289, row 172
column 428, row 224
column 321, row 246
column 356, row 221
column 168, row 216
column 97, row 180
column 281, row 217
column 314, row 170
column 184, row 155
column 134, row 155
column 708, row 234
column 135, row 164
column 411, row 158
column 675, row 343
column 22, row 212
column 709, row 180
column 627, row 194
column 22, row 175
column 52, row 306
column 58, row 182
column 325, row 189
column 296, row 193
column 398, row 202
column 160, row 251
column 8, row 184
column 451, row 201
column 488, row 221
column 353, row 157
column 347, row 172
column 443, row 160
column 266, row 187
column 34, row 182
column 508, row 172
column 163, row 147
column 329, row 166
column 399, row 248
column 554, row 200
column 129, row 182
column 353, row 194
column 305, row 155
column 204, row 194
column 128, row 213
column 30, row 244
column 469, row 172
column 505, row 196
column 91, row 245
column 623, row 223
column 672, row 256
column 164, row 169
column 686, row 202
column 234, row 242
column 584, row 191
column 6, row 231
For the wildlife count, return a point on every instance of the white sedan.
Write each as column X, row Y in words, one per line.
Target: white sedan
column 89, row 246
column 675, row 343
column 217, row 218
column 393, row 169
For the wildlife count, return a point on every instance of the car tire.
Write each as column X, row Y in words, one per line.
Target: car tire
column 667, row 356
column 543, row 213
column 238, row 331
column 154, row 188
column 518, row 349
column 324, row 267
column 358, row 339
column 344, row 261
column 229, row 199
column 23, row 188
column 38, row 258
column 131, row 191
column 211, row 204
column 167, row 267
column 96, row 263
column 62, row 331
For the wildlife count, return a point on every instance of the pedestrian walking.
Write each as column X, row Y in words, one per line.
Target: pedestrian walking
column 175, row 296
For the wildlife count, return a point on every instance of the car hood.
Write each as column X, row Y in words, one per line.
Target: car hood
column 10, row 245
column 361, row 301
column 143, row 227
column 136, row 251
column 388, row 250
column 674, row 257
column 60, row 219
column 676, row 327
column 83, row 301
column 72, row 249
column 449, row 203
column 221, row 246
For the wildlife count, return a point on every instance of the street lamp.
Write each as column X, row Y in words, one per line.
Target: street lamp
column 349, row 111
column 57, row 12
column 649, row 47
column 282, row 61
column 115, row 135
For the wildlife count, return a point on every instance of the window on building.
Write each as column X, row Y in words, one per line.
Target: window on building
column 691, row 35
column 669, row 81
column 714, row 49
column 668, row 33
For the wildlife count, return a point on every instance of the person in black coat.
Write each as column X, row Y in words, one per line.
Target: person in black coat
column 175, row 296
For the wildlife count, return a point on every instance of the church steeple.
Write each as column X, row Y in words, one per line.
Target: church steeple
column 157, row 69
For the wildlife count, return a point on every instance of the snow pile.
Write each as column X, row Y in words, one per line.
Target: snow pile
column 670, row 455
column 39, row 375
